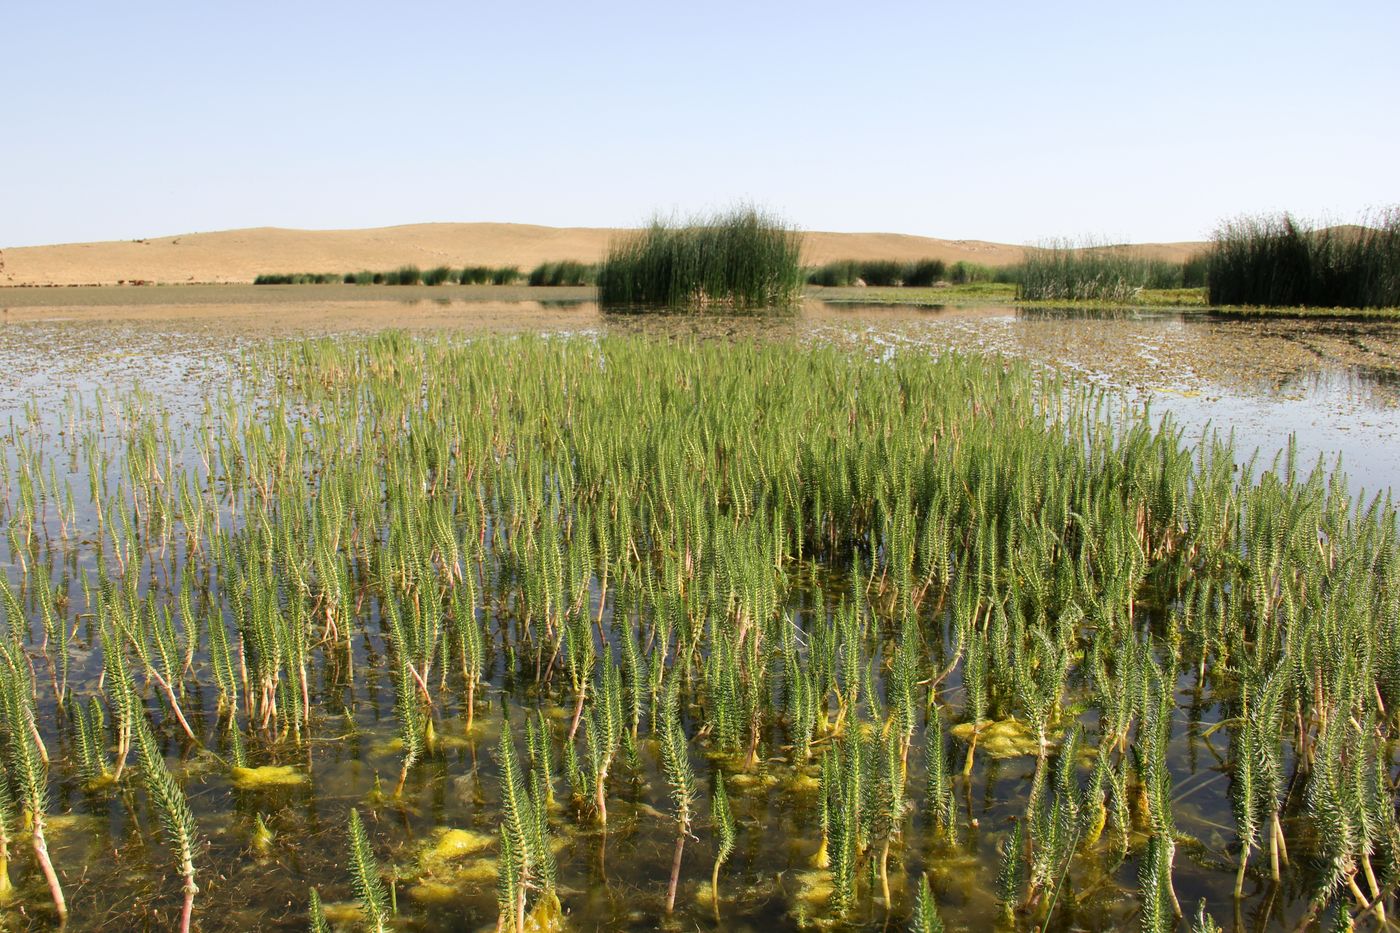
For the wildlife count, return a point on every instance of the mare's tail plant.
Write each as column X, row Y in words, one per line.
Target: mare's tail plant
column 675, row 753
column 24, row 761
column 176, row 819
column 723, row 821
column 364, row 877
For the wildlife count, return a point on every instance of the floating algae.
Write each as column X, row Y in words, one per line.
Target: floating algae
column 266, row 776
column 60, row 824
column 750, row 782
column 344, row 912
column 452, row 844
column 480, row 870
column 435, row 892
column 814, row 888
column 1003, row 738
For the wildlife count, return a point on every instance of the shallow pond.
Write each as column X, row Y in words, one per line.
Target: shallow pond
column 147, row 385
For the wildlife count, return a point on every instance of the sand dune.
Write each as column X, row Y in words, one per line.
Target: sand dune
column 239, row 255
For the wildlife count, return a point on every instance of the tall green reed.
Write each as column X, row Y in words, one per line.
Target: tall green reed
column 741, row 260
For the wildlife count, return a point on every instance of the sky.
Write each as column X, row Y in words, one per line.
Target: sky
column 1005, row 121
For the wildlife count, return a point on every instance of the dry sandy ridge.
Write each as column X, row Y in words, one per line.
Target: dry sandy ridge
column 240, row 255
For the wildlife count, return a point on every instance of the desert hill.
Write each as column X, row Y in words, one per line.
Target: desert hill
column 239, row 255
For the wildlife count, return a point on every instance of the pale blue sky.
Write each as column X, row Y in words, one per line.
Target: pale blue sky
column 1007, row 121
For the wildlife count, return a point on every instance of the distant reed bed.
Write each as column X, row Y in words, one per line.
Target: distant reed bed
column 1281, row 261
column 879, row 272
column 1063, row 270
column 740, row 260
column 922, row 273
column 403, row 275
column 963, row 272
column 296, row 278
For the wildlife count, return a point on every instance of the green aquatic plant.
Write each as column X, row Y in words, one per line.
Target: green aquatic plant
column 26, row 761
column 413, row 724
column 1203, row 922
column 539, row 742
column 90, row 740
column 847, row 815
column 722, row 819
column 1161, row 909
column 526, row 862
column 604, row 734
column 826, row 788
column 675, row 754
column 940, row 802
column 316, row 914
column 365, row 878
column 887, row 804
column 1154, row 879
column 926, row 918
column 1258, row 773
column 177, row 821
column 471, row 641
column 7, row 837
column 1012, row 872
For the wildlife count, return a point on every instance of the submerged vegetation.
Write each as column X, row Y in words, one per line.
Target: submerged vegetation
column 515, row 631
column 743, row 260
column 1281, row 262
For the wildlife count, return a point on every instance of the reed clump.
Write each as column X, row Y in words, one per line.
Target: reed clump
column 566, row 272
column 1281, row 261
column 439, row 275
column 489, row 275
column 963, row 272
column 404, row 275
column 741, row 260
